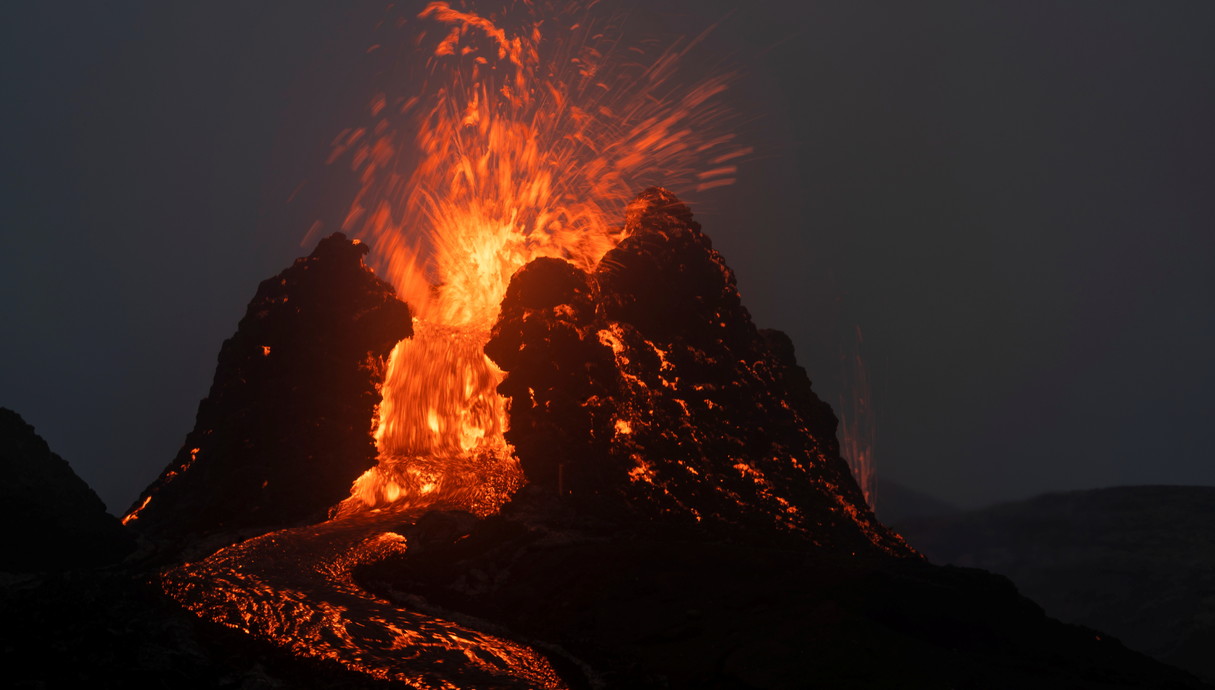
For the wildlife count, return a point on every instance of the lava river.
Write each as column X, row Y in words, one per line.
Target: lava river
column 295, row 588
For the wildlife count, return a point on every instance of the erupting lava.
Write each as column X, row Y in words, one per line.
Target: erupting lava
column 855, row 410
column 638, row 382
column 527, row 138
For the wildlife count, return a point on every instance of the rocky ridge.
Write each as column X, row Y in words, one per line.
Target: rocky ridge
column 287, row 424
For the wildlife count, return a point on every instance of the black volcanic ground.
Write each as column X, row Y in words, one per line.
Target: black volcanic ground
column 1135, row 561
column 715, row 541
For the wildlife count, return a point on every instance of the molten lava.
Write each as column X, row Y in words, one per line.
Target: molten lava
column 855, row 409
column 528, row 137
column 296, row 588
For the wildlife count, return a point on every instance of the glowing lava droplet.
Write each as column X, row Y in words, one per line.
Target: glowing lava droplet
column 527, row 139
column 856, row 419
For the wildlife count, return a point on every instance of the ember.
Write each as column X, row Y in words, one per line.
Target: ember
column 857, row 426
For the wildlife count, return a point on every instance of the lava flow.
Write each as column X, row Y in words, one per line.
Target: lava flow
column 295, row 586
column 528, row 137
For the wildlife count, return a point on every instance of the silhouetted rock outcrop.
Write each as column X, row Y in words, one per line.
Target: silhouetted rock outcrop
column 51, row 519
column 647, row 385
column 1133, row 561
column 287, row 426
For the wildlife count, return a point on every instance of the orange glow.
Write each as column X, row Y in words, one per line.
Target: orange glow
column 857, row 425
column 134, row 514
column 296, row 588
column 528, row 138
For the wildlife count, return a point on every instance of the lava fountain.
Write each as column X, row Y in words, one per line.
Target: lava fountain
column 524, row 136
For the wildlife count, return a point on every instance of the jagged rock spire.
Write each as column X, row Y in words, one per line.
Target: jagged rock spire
column 286, row 427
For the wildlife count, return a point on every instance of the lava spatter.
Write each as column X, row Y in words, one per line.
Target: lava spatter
column 522, row 132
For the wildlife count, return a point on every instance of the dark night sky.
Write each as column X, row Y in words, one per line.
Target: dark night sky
column 1014, row 200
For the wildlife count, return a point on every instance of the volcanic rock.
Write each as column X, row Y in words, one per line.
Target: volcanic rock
column 688, row 520
column 52, row 519
column 652, row 606
column 1132, row 561
column 646, row 385
column 286, row 427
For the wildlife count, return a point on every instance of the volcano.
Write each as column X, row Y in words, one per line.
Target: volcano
column 685, row 518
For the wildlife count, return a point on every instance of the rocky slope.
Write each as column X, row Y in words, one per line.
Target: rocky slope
column 646, row 388
column 1137, row 562
column 51, row 519
column 286, row 427
column 645, row 605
